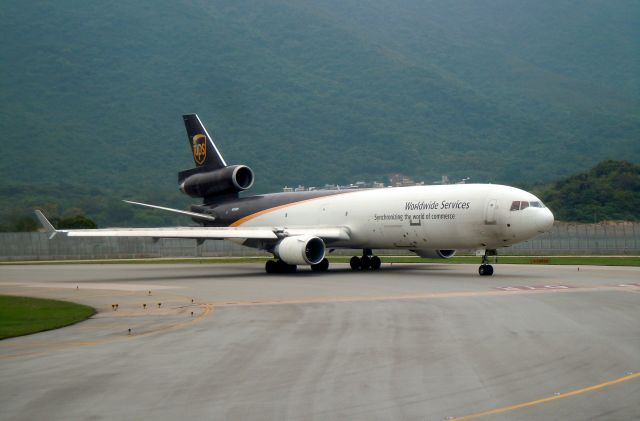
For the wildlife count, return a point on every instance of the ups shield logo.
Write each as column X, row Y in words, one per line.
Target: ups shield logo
column 199, row 144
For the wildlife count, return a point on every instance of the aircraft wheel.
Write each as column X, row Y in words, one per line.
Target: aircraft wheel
column 365, row 262
column 323, row 266
column 375, row 263
column 355, row 263
column 271, row 266
column 290, row 268
column 282, row 267
column 485, row 270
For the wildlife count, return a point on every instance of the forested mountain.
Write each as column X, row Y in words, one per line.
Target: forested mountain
column 310, row 92
column 608, row 191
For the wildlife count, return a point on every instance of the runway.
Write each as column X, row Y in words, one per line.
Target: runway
column 410, row 342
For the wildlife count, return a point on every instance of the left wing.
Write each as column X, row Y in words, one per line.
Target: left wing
column 177, row 232
column 204, row 233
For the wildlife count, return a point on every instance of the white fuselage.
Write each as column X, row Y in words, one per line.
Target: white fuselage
column 461, row 216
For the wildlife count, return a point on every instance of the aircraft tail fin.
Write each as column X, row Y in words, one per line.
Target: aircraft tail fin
column 204, row 150
column 211, row 179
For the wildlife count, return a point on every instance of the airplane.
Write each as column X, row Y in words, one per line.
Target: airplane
column 299, row 227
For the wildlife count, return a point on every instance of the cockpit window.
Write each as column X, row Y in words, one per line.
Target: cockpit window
column 521, row 204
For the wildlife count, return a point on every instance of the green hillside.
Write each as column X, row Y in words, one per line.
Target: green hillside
column 608, row 191
column 310, row 92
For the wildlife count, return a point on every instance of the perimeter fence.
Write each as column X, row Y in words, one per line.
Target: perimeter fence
column 609, row 238
column 606, row 238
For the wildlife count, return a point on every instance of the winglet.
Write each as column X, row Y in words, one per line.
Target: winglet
column 46, row 224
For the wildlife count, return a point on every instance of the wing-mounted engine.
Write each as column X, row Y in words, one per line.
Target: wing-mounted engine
column 435, row 254
column 300, row 250
column 221, row 181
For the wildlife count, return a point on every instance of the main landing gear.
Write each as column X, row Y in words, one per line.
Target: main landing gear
column 485, row 268
column 278, row 266
column 367, row 261
column 323, row 266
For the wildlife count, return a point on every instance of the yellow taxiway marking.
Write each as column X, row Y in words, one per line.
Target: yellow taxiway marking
column 40, row 348
column 208, row 309
column 548, row 399
column 424, row 296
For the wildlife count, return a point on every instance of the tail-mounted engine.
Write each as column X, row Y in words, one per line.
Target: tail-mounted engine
column 221, row 181
column 212, row 176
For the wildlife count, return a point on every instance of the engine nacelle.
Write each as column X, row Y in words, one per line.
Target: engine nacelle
column 225, row 180
column 300, row 250
column 435, row 254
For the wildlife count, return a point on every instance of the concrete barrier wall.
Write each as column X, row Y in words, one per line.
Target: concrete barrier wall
column 563, row 239
column 37, row 246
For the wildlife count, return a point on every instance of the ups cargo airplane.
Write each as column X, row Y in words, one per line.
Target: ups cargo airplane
column 298, row 228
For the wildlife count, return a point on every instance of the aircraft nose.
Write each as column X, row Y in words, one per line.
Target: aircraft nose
column 544, row 220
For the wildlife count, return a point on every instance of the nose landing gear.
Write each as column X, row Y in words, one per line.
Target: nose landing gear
column 485, row 268
column 366, row 262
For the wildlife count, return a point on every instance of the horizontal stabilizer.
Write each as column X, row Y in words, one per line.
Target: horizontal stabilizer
column 181, row 212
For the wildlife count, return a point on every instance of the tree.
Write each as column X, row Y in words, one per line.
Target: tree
column 25, row 223
column 76, row 222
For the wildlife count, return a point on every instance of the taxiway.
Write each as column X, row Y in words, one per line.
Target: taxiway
column 412, row 341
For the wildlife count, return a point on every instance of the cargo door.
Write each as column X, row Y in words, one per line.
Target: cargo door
column 490, row 212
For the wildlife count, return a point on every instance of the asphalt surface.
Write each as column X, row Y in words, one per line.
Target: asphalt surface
column 410, row 342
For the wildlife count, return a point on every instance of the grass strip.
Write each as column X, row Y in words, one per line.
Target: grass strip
column 25, row 315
